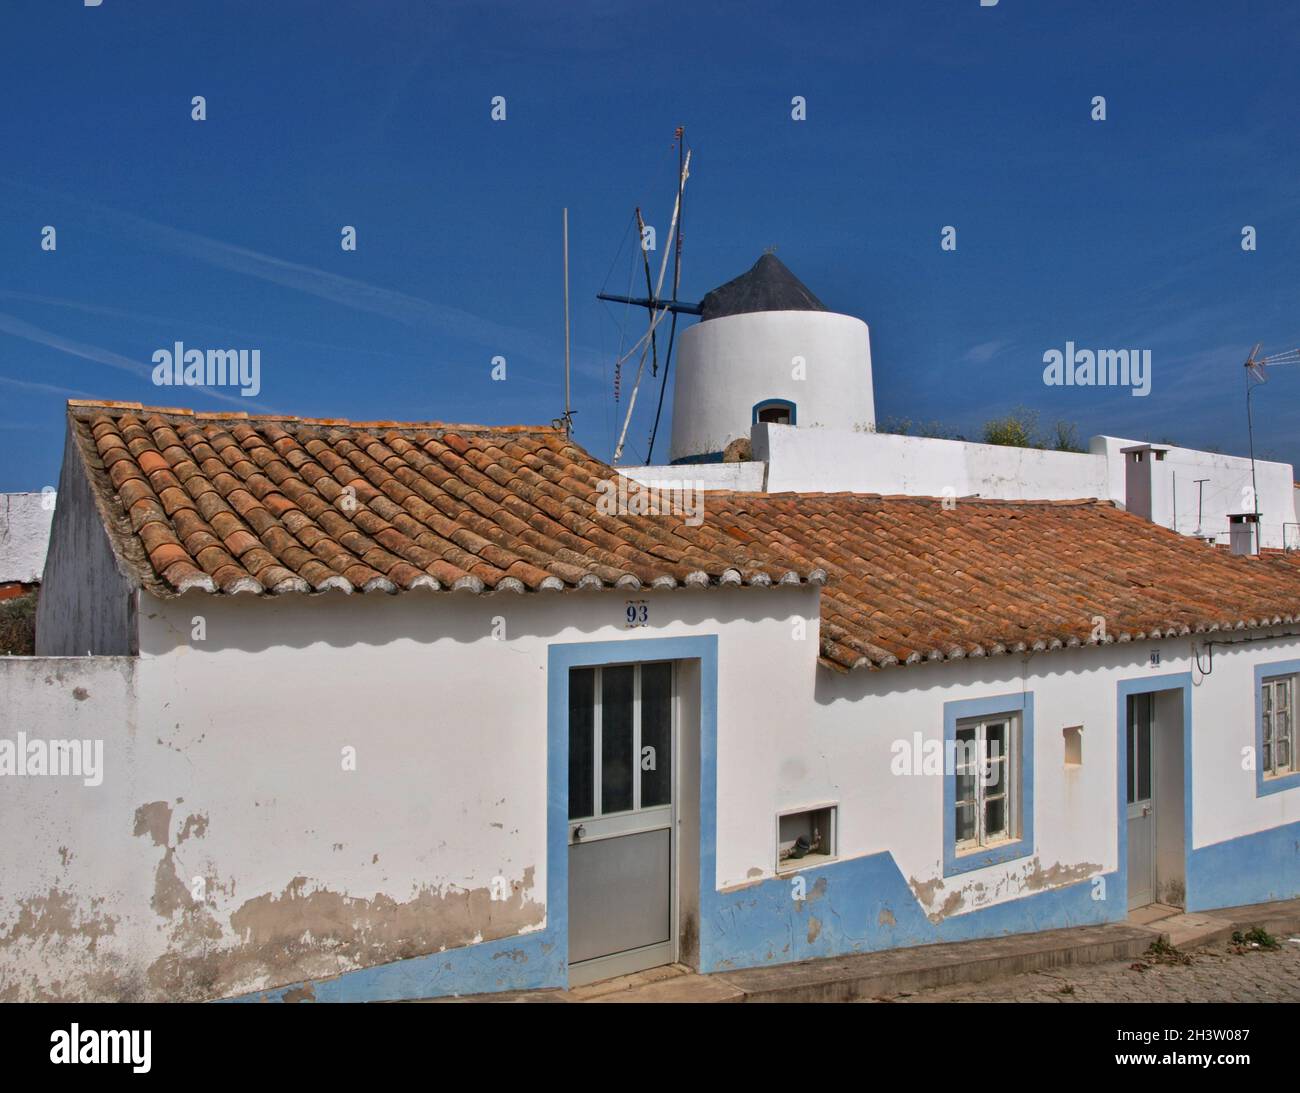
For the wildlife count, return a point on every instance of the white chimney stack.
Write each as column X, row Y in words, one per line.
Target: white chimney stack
column 1148, row 490
column 1243, row 529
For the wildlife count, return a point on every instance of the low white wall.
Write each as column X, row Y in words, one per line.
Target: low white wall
column 863, row 462
column 747, row 476
column 1226, row 490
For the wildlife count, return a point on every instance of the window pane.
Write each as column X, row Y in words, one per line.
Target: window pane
column 656, row 760
column 965, row 823
column 966, row 751
column 1144, row 761
column 995, row 777
column 1132, row 758
column 616, row 738
column 582, row 721
column 995, row 818
column 965, row 787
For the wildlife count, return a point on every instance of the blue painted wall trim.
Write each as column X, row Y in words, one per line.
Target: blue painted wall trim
column 866, row 905
column 1256, row 868
column 687, row 460
column 773, row 403
column 1021, row 704
column 1265, row 786
column 540, row 959
column 861, row 904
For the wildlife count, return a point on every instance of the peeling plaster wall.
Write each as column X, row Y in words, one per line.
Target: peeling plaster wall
column 230, row 851
column 71, row 925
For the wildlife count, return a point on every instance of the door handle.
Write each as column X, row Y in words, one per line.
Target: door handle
column 1146, row 810
column 578, row 833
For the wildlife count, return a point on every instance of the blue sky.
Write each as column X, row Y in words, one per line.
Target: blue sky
column 921, row 113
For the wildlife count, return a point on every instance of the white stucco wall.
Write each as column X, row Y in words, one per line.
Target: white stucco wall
column 727, row 365
column 747, row 476
column 25, row 520
column 886, row 463
column 830, row 739
column 1226, row 490
column 224, row 766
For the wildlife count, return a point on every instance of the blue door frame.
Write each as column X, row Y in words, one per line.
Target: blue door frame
column 1174, row 681
column 560, row 659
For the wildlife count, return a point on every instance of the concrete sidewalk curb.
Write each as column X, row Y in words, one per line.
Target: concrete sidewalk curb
column 1204, row 928
column 905, row 971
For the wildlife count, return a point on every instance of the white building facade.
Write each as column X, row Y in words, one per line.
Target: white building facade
column 409, row 791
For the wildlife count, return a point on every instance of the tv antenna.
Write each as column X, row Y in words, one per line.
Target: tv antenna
column 1256, row 376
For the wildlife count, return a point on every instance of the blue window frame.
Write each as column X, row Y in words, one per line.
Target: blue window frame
column 1276, row 690
column 777, row 411
column 995, row 809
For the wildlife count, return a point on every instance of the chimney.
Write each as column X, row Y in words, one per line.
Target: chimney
column 1243, row 531
column 1147, row 489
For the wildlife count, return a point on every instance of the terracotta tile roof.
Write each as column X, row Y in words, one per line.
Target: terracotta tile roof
column 909, row 580
column 234, row 503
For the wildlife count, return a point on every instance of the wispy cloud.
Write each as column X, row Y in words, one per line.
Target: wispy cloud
column 986, row 351
column 349, row 292
column 11, row 324
column 45, row 388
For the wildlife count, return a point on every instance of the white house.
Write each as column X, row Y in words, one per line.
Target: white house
column 375, row 710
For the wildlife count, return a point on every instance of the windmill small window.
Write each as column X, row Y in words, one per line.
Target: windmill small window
column 774, row 411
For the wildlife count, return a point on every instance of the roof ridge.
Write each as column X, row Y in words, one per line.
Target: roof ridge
column 79, row 407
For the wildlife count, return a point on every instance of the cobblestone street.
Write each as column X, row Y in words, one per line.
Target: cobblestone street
column 1211, row 975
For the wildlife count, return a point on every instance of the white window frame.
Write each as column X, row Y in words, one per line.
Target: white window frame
column 982, row 840
column 1271, row 689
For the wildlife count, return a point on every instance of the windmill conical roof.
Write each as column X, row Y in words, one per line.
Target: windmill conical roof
column 768, row 285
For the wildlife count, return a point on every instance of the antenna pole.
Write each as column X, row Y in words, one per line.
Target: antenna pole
column 1200, row 504
column 568, row 412
column 677, row 280
column 1250, row 431
column 656, row 315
